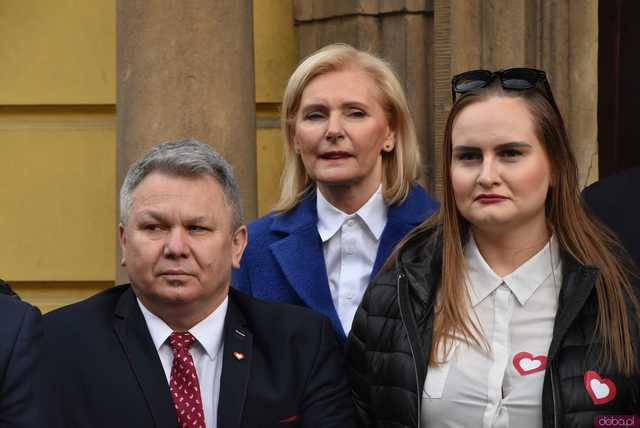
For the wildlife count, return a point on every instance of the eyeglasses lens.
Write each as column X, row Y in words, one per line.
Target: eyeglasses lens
column 519, row 78
column 516, row 84
column 464, row 85
column 472, row 80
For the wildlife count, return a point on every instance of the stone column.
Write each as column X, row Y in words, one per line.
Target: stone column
column 401, row 31
column 185, row 69
column 495, row 34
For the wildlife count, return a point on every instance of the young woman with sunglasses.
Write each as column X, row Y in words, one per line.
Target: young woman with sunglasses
column 512, row 306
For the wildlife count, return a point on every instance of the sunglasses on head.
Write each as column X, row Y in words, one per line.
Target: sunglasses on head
column 517, row 79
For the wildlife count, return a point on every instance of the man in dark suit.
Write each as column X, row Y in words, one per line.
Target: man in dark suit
column 177, row 347
column 20, row 382
column 614, row 201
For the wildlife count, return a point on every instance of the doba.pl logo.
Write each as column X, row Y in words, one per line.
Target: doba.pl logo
column 632, row 421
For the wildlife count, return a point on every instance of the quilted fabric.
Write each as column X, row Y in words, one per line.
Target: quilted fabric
column 388, row 369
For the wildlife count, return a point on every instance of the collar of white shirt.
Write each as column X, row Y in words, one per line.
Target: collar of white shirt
column 522, row 282
column 330, row 219
column 207, row 332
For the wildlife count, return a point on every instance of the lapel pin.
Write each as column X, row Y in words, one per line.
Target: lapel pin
column 239, row 356
column 239, row 333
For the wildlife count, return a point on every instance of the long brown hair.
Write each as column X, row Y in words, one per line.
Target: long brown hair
column 579, row 234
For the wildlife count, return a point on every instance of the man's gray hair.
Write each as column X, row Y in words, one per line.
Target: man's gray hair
column 183, row 158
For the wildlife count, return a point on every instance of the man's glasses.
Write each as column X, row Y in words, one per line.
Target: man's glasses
column 517, row 79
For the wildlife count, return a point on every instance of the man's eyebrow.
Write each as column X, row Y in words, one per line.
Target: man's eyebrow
column 151, row 214
column 198, row 219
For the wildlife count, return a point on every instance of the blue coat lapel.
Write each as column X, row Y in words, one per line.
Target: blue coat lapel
column 300, row 254
column 400, row 220
column 394, row 229
column 301, row 258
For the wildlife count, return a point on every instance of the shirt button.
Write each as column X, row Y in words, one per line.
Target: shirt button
column 348, row 296
column 350, row 222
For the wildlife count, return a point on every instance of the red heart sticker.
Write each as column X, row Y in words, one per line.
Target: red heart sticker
column 526, row 364
column 600, row 390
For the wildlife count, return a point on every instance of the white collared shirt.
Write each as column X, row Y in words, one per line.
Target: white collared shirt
column 206, row 352
column 350, row 245
column 501, row 387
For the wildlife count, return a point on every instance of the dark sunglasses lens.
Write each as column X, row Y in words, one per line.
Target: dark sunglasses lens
column 519, row 78
column 471, row 80
column 469, row 85
column 517, row 84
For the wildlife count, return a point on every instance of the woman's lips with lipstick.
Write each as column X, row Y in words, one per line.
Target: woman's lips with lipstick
column 335, row 155
column 490, row 198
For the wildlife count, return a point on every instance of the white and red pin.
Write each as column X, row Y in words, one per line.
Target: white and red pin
column 526, row 363
column 601, row 390
column 238, row 355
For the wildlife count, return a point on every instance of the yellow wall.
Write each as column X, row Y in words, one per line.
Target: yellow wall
column 57, row 139
column 60, row 52
column 275, row 58
column 57, row 144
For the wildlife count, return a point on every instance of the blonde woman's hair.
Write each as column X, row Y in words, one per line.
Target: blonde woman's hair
column 579, row 234
column 400, row 167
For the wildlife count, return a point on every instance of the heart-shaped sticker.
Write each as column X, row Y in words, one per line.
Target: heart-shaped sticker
column 526, row 364
column 601, row 390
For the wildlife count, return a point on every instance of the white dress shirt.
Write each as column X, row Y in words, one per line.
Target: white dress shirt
column 501, row 386
column 206, row 352
column 350, row 245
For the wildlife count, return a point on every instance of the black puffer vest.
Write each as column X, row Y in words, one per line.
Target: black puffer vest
column 390, row 343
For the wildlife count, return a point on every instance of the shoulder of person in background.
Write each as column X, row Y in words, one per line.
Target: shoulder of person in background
column 613, row 200
column 22, row 403
column 6, row 289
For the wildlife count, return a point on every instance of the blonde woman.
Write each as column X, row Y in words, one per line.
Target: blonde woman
column 349, row 191
column 512, row 307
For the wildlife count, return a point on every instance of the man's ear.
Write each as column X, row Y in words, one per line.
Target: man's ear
column 122, row 234
column 238, row 244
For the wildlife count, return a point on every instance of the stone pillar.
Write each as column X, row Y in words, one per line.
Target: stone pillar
column 185, row 69
column 497, row 34
column 401, row 31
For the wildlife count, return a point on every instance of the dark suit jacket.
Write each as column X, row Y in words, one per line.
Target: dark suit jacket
column 284, row 262
column 21, row 405
column 105, row 372
column 614, row 200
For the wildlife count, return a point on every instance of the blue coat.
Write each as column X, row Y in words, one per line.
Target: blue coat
column 284, row 260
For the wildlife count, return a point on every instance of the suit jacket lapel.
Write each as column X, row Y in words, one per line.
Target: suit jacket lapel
column 301, row 259
column 236, row 366
column 131, row 329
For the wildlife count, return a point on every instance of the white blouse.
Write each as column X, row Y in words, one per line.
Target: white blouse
column 350, row 244
column 501, row 386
